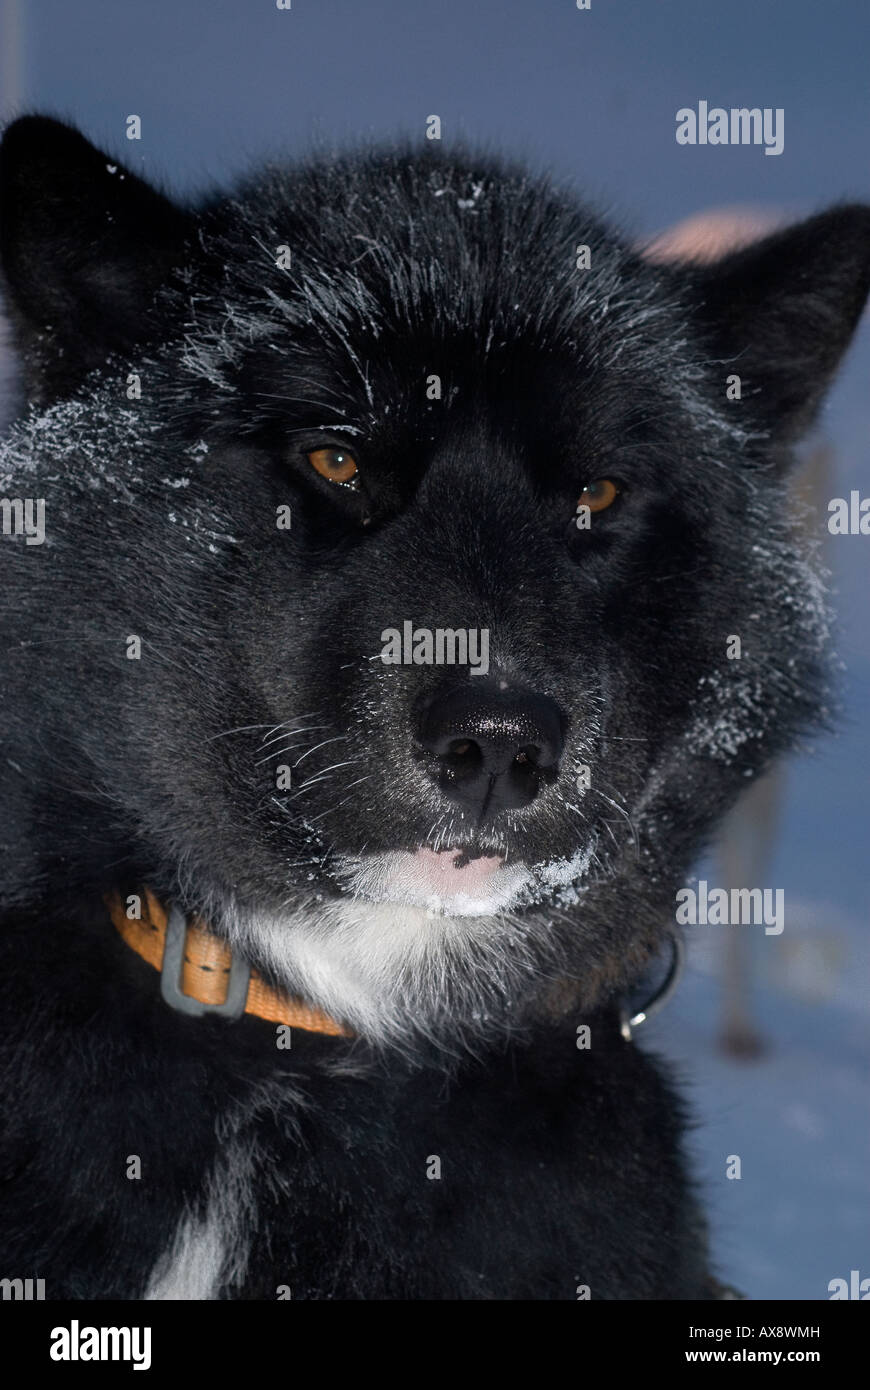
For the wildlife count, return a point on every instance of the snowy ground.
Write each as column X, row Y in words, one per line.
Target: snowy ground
column 799, row 1118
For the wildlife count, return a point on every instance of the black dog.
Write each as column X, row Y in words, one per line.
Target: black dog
column 397, row 518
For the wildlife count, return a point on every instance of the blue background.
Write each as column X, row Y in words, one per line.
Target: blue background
column 591, row 96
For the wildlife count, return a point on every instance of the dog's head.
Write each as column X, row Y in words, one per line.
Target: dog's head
column 453, row 534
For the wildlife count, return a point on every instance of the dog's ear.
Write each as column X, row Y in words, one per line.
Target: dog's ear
column 780, row 313
column 84, row 243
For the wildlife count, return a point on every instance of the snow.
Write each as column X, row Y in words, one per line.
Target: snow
column 566, row 874
column 798, row 1117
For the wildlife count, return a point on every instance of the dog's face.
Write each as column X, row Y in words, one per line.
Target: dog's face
column 382, row 401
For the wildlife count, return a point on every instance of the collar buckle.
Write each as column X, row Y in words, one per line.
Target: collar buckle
column 173, row 966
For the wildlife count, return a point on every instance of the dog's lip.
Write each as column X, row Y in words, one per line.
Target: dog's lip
column 455, row 881
column 451, row 866
column 444, row 873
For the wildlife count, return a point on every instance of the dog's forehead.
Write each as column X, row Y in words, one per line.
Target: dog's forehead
column 379, row 296
column 426, row 248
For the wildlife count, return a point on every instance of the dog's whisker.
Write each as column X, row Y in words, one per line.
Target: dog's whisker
column 280, row 752
column 242, row 728
column 291, row 733
column 336, row 739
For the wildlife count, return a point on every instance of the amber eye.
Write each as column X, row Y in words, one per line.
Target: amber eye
column 336, row 465
column 599, row 495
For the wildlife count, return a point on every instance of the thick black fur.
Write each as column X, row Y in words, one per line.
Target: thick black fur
column 560, row 1166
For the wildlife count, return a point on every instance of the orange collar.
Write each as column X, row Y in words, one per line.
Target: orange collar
column 199, row 974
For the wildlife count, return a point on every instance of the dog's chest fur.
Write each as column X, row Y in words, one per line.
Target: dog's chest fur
column 327, row 1171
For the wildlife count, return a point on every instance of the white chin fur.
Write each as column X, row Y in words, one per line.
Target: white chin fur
column 390, row 967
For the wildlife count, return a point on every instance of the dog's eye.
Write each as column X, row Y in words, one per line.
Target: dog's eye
column 335, row 465
column 599, row 495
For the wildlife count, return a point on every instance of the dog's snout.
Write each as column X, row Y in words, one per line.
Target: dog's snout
column 492, row 746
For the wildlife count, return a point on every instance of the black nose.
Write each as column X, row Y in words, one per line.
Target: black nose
column 494, row 745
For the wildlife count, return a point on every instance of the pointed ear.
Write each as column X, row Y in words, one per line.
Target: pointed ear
column 84, row 243
column 780, row 313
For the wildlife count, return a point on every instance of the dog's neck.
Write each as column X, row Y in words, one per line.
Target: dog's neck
column 199, row 974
